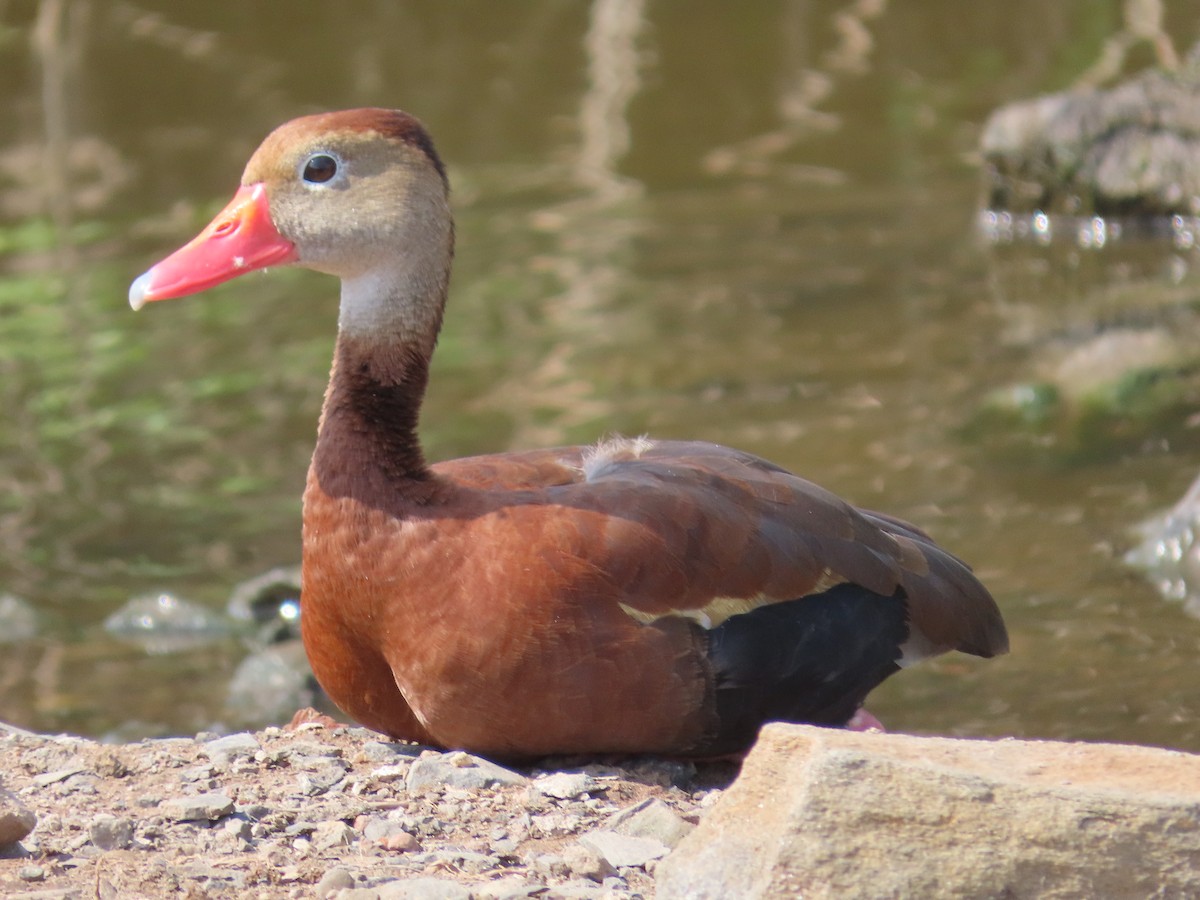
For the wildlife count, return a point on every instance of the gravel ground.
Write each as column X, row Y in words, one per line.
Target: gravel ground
column 326, row 810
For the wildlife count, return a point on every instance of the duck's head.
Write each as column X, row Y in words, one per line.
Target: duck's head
column 360, row 194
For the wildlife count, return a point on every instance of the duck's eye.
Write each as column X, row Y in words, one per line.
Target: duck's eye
column 320, row 168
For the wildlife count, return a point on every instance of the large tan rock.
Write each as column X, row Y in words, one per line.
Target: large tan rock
column 821, row 813
column 16, row 819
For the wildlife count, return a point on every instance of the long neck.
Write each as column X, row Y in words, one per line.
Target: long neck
column 367, row 443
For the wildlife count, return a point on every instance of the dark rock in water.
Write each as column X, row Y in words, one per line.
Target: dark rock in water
column 165, row 623
column 18, row 621
column 1133, row 150
column 1098, row 374
column 271, row 684
column 271, row 601
column 1169, row 553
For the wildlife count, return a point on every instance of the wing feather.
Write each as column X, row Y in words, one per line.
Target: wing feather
column 706, row 532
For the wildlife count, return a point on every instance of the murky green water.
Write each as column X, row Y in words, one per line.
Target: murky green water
column 747, row 223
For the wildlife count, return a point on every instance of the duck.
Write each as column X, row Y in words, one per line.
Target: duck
column 634, row 596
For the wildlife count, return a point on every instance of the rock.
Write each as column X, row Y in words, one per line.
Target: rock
column 165, row 623
column 423, row 889
column 457, row 859
column 550, row 865
column 566, row 785
column 387, row 774
column 111, row 833
column 16, row 819
column 388, row 751
column 556, row 823
column 271, row 684
column 390, row 834
column 399, row 842
column 271, row 601
column 825, row 813
column 236, row 835
column 196, row 774
column 334, row 879
column 222, row 751
column 622, row 849
column 198, row 808
column 48, row 778
column 584, row 862
column 1132, row 149
column 459, row 770
column 18, row 621
column 511, row 888
column 665, row 772
column 331, row 837
column 1168, row 551
column 581, row 889
column 320, row 779
column 650, row 819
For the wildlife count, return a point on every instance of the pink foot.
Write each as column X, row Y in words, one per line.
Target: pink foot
column 864, row 721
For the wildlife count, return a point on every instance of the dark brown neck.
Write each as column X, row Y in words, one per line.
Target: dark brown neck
column 367, row 444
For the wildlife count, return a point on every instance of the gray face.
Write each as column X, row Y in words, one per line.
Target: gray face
column 353, row 202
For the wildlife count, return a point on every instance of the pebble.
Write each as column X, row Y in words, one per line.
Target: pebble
column 400, row 842
column 31, row 873
column 388, row 774
column 387, row 751
column 550, row 864
column 556, row 823
column 332, row 836
column 300, row 752
column 320, row 780
column 582, row 889
column 666, row 772
column 423, row 889
column 334, row 879
column 512, row 888
column 110, row 832
column 566, row 785
column 457, row 859
column 583, row 861
column 48, row 778
column 460, row 770
column 624, row 850
column 198, row 808
column 224, row 750
column 651, row 819
column 196, row 774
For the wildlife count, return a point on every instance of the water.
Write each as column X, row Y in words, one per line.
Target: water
column 752, row 225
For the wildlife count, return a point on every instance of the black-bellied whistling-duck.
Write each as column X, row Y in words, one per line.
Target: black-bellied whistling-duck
column 635, row 596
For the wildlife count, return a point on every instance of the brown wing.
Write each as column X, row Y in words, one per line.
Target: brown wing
column 707, row 532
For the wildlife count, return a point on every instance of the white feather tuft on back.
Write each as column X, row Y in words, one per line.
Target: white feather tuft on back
column 612, row 450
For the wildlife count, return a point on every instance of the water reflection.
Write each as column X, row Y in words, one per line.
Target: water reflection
column 746, row 224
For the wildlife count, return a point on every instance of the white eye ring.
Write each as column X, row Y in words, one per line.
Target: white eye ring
column 320, row 168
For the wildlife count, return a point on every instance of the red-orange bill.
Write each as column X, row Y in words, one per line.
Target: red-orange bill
column 240, row 239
